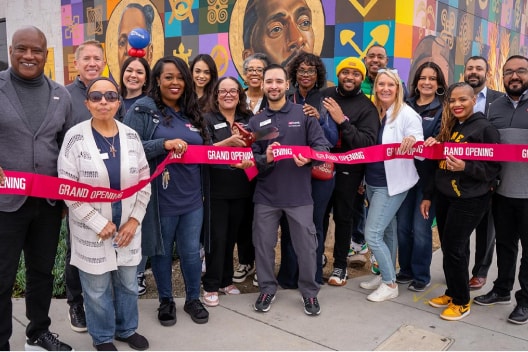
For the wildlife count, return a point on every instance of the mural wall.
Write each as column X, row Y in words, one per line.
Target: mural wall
column 413, row 31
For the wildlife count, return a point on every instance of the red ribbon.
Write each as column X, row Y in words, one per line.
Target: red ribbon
column 35, row 185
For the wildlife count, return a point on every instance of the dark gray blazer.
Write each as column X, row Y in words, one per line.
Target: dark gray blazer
column 491, row 96
column 20, row 148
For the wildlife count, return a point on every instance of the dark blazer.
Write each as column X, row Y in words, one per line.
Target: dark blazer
column 491, row 96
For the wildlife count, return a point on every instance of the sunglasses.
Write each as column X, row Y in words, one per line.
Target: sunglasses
column 109, row 96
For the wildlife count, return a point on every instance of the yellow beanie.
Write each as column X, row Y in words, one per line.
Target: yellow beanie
column 352, row 63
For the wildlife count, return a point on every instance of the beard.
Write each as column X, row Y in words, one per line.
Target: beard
column 516, row 92
column 347, row 93
column 481, row 81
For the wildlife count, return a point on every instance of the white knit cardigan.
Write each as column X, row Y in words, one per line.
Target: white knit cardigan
column 79, row 160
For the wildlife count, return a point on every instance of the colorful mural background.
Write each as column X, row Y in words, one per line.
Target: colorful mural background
column 413, row 31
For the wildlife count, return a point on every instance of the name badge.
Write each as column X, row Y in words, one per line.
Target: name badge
column 193, row 129
column 265, row 122
column 220, row 125
column 104, row 156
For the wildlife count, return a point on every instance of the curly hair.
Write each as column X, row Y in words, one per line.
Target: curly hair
column 448, row 119
column 241, row 109
column 213, row 71
column 146, row 67
column 188, row 101
column 310, row 60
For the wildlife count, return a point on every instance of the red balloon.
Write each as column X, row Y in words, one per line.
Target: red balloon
column 132, row 52
column 140, row 53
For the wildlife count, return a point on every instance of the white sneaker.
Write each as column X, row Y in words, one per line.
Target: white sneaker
column 243, row 271
column 383, row 293
column 373, row 284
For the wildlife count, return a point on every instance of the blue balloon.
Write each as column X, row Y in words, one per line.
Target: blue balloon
column 138, row 38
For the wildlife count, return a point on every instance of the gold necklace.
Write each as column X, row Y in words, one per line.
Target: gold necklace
column 112, row 148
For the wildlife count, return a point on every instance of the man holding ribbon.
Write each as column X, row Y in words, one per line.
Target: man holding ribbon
column 36, row 112
column 285, row 187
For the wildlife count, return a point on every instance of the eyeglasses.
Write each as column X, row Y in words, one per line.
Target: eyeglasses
column 109, row 96
column 232, row 92
column 309, row 72
column 354, row 73
column 254, row 70
column 519, row 72
column 379, row 56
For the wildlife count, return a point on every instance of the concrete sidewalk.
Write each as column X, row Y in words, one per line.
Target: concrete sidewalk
column 347, row 322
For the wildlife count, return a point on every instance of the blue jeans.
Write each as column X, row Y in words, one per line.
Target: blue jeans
column 110, row 301
column 380, row 229
column 415, row 237
column 184, row 230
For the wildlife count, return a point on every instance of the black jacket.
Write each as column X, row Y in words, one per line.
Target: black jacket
column 478, row 177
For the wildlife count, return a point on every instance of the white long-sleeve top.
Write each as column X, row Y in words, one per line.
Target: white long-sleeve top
column 79, row 160
column 401, row 173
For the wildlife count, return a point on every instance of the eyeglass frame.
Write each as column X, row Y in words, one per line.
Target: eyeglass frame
column 519, row 72
column 224, row 92
column 110, row 96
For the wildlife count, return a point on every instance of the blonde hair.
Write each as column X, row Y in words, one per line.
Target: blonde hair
column 83, row 45
column 398, row 103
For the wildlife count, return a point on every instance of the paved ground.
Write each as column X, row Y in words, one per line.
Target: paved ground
column 347, row 322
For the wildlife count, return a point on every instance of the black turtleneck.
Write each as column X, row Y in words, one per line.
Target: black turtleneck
column 34, row 96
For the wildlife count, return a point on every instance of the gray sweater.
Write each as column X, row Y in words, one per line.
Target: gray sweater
column 512, row 123
column 21, row 149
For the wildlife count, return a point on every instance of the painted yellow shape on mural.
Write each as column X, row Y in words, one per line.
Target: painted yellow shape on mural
column 181, row 10
column 221, row 59
column 363, row 10
column 182, row 54
column 379, row 34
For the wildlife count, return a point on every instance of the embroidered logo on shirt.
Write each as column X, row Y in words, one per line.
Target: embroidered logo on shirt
column 294, row 124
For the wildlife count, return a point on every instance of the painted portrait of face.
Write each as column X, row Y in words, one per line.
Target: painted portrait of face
column 126, row 16
column 278, row 28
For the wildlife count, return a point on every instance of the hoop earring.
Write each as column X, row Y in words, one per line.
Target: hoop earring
column 441, row 92
column 416, row 91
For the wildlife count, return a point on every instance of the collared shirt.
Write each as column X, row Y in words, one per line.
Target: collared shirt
column 480, row 106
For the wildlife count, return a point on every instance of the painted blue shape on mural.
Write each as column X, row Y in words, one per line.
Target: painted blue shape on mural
column 173, row 29
column 330, row 69
column 348, row 40
column 191, row 28
column 380, row 32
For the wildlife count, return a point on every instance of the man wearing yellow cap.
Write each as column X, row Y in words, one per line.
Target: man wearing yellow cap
column 358, row 125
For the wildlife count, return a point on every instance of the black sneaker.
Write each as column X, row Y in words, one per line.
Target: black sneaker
column 311, row 305
column 77, row 318
column 142, row 284
column 492, row 298
column 263, row 303
column 46, row 341
column 135, row 341
column 519, row 315
column 418, row 286
column 167, row 313
column 107, row 346
column 402, row 278
column 197, row 311
column 338, row 277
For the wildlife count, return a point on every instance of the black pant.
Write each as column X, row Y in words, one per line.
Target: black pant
column 456, row 219
column 484, row 245
column 345, row 193
column 511, row 225
column 227, row 216
column 71, row 274
column 244, row 239
column 34, row 228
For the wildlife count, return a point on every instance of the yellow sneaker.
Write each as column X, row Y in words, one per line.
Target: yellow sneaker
column 440, row 302
column 455, row 312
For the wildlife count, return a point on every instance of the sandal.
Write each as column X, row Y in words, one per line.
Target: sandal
column 230, row 290
column 210, row 299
